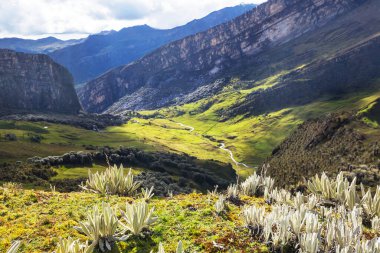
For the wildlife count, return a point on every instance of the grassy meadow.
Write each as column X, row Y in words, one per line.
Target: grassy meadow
column 251, row 139
column 40, row 218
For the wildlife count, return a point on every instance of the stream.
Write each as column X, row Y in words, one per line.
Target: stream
column 222, row 146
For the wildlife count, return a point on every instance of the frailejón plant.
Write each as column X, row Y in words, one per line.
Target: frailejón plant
column 179, row 248
column 309, row 243
column 147, row 194
column 113, row 181
column 233, row 192
column 100, row 227
column 137, row 217
column 254, row 218
column 14, row 247
column 220, row 205
column 371, row 204
column 70, row 245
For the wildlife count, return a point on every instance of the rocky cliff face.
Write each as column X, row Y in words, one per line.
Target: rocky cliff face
column 353, row 69
column 182, row 66
column 35, row 83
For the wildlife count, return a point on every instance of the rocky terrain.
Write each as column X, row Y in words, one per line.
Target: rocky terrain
column 35, row 83
column 182, row 66
column 350, row 70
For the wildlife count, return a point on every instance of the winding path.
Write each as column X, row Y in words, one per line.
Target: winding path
column 222, row 146
column 190, row 128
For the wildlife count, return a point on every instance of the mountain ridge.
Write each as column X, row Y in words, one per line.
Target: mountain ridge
column 39, row 46
column 197, row 60
column 100, row 53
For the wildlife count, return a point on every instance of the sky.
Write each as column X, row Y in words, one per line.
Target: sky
column 72, row 19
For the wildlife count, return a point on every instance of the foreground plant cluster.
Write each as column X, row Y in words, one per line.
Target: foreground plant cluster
column 332, row 218
column 251, row 216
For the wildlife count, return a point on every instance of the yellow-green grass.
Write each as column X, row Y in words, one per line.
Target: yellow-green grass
column 58, row 139
column 165, row 133
column 251, row 139
column 64, row 172
column 39, row 219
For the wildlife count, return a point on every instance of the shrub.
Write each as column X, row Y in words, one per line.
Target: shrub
column 10, row 137
column 338, row 190
column 251, row 185
column 255, row 185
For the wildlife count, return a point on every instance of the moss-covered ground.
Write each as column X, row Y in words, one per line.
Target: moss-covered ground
column 39, row 218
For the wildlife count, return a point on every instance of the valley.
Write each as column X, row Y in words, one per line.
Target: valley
column 253, row 129
column 188, row 129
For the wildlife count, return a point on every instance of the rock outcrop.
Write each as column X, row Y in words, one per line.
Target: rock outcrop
column 182, row 66
column 35, row 83
column 348, row 71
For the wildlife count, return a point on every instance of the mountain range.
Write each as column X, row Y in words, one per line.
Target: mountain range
column 40, row 46
column 276, row 36
column 102, row 52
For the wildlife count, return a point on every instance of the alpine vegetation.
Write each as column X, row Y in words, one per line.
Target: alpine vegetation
column 233, row 192
column 253, row 218
column 338, row 190
column 309, row 243
column 371, row 205
column 100, row 227
column 220, row 205
column 147, row 194
column 304, row 224
column 375, row 223
column 113, row 181
column 137, row 217
column 255, row 185
column 70, row 245
column 179, row 248
column 14, row 247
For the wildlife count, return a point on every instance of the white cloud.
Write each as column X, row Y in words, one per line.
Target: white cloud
column 76, row 18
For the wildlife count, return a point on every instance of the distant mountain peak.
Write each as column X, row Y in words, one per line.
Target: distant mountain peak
column 104, row 51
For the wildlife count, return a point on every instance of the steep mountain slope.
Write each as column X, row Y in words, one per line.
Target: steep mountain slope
column 334, row 143
column 35, row 83
column 180, row 67
column 46, row 45
column 102, row 52
column 351, row 69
